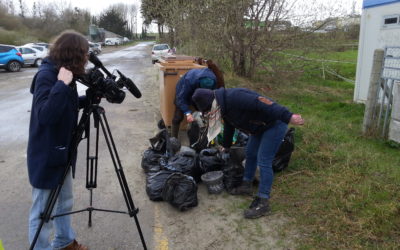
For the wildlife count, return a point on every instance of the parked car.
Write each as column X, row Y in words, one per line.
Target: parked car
column 10, row 58
column 95, row 48
column 32, row 56
column 112, row 41
column 46, row 45
column 43, row 50
column 43, row 45
column 158, row 51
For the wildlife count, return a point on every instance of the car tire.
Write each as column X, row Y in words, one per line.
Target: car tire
column 38, row 62
column 14, row 66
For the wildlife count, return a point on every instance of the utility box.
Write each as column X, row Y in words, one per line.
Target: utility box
column 171, row 69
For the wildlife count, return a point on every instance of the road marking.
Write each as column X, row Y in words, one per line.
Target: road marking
column 161, row 241
column 1, row 245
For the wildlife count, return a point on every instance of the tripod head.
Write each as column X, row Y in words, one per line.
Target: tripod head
column 101, row 85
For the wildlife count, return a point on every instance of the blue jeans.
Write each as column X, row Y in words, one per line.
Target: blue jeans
column 260, row 151
column 64, row 234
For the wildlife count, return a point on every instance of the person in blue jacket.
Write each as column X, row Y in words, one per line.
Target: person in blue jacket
column 209, row 78
column 54, row 116
column 265, row 121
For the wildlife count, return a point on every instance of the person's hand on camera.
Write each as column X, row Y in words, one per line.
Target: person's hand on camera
column 189, row 118
column 65, row 75
column 296, row 119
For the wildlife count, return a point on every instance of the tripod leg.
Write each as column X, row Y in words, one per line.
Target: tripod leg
column 91, row 183
column 90, row 211
column 91, row 166
column 119, row 171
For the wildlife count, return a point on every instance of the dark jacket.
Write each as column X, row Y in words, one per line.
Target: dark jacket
column 54, row 116
column 188, row 84
column 241, row 109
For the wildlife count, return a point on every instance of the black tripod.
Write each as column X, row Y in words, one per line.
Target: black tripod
column 93, row 108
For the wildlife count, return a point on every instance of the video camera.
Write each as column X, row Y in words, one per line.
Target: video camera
column 108, row 86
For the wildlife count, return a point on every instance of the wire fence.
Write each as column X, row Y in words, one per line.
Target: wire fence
column 324, row 65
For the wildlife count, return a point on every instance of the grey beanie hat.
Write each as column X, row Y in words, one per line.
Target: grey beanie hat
column 203, row 99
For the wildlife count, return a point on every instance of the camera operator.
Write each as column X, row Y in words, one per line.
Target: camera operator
column 54, row 116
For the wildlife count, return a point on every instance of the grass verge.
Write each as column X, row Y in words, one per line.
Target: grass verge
column 341, row 188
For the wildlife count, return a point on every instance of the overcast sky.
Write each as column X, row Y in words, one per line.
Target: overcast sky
column 330, row 7
column 94, row 6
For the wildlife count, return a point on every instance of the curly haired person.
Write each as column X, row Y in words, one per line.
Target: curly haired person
column 54, row 117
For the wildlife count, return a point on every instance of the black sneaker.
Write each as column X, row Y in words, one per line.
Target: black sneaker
column 244, row 189
column 258, row 207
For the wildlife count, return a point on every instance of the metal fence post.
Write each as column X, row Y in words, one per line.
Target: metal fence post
column 370, row 105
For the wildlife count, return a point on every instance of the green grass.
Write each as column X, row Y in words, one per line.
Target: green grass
column 341, row 188
column 311, row 65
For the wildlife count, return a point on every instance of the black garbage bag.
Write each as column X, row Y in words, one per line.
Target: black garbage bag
column 197, row 136
column 180, row 191
column 163, row 143
column 175, row 145
column 159, row 142
column 282, row 157
column 237, row 154
column 150, row 160
column 210, row 160
column 233, row 176
column 182, row 162
column 155, row 183
column 233, row 169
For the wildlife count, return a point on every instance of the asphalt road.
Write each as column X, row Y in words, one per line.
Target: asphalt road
column 132, row 123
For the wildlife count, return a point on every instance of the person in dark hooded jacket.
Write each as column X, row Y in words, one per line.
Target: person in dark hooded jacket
column 264, row 120
column 209, row 78
column 54, row 116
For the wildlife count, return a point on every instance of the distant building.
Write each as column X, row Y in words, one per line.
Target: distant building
column 96, row 34
column 380, row 27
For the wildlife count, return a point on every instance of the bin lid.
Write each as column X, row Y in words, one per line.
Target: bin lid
column 178, row 62
column 176, row 58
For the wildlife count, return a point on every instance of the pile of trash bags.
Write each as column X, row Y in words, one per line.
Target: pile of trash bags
column 174, row 171
column 169, row 172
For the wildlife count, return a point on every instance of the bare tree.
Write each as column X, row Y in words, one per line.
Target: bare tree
column 157, row 11
column 241, row 29
column 22, row 8
column 132, row 10
column 242, row 34
column 9, row 5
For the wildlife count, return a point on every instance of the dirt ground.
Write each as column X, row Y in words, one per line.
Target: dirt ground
column 216, row 223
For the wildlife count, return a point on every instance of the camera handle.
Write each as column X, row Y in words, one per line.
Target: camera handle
column 99, row 117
